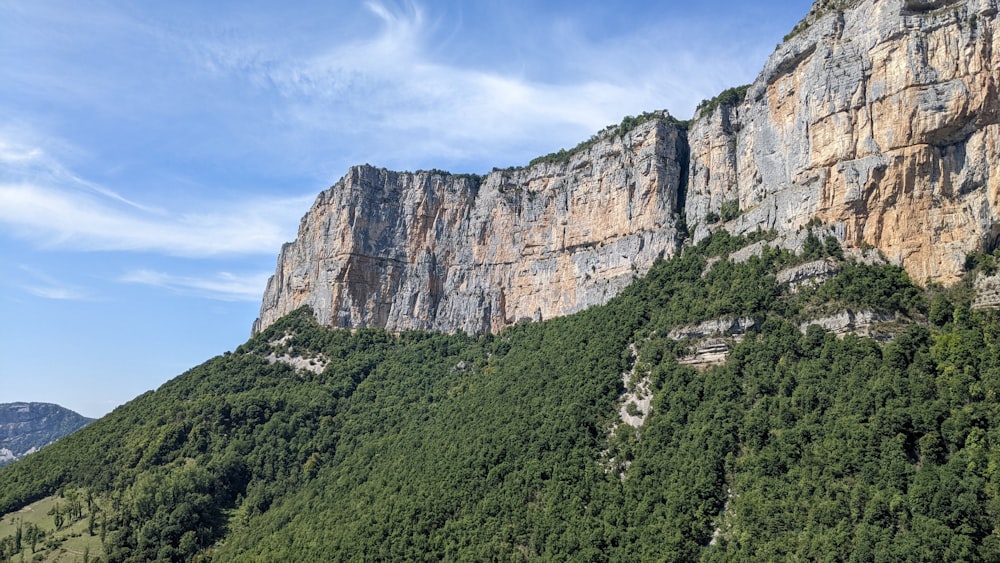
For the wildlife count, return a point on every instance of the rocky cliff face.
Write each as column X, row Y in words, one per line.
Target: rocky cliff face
column 27, row 427
column 880, row 120
column 442, row 252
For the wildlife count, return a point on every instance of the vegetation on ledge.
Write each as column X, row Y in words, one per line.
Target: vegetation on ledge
column 627, row 124
column 729, row 97
column 474, row 179
column 819, row 9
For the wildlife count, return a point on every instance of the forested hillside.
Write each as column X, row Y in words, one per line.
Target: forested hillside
column 314, row 444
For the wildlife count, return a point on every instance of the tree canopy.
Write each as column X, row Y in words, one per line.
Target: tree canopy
column 422, row 446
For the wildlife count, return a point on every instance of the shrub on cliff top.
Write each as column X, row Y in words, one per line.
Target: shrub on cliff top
column 628, row 123
column 728, row 97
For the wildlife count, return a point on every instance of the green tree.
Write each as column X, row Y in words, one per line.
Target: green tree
column 833, row 248
column 33, row 534
column 942, row 311
column 58, row 516
column 812, row 247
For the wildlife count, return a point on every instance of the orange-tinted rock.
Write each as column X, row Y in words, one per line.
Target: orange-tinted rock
column 880, row 120
column 443, row 252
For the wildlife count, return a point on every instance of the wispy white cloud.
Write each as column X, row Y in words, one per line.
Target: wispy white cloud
column 396, row 93
column 57, row 293
column 392, row 86
column 46, row 286
column 396, row 96
column 59, row 218
column 395, row 77
column 43, row 201
column 19, row 162
column 223, row 286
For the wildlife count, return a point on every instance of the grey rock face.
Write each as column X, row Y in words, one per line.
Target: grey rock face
column 714, row 327
column 707, row 354
column 855, row 322
column 987, row 292
column 808, row 274
column 435, row 251
column 879, row 120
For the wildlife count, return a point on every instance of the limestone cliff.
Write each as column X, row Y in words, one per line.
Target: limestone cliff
column 430, row 250
column 880, row 120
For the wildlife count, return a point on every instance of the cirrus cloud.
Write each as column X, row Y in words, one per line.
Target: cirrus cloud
column 223, row 286
column 44, row 202
column 59, row 218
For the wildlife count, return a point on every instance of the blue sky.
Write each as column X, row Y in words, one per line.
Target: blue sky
column 154, row 156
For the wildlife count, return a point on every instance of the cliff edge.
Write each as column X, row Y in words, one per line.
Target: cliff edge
column 435, row 251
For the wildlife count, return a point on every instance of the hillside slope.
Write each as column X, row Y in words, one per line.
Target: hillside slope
column 667, row 344
column 308, row 443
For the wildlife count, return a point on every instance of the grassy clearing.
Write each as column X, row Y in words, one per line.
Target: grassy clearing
column 72, row 542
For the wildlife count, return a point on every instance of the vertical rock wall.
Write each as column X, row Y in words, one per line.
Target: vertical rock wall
column 443, row 252
column 878, row 118
column 881, row 120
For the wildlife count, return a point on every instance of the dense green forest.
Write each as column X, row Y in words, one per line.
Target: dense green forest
column 418, row 446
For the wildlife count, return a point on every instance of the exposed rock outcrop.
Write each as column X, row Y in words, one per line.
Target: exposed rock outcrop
column 708, row 353
column 711, row 340
column 435, row 251
column 297, row 358
column 881, row 120
column 714, row 327
column 808, row 274
column 637, row 399
column 987, row 292
column 860, row 323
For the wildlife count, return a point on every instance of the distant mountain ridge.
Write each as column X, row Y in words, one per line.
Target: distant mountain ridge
column 27, row 427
